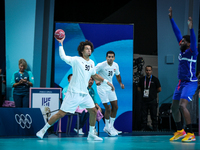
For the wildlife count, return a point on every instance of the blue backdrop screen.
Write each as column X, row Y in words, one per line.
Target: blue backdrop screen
column 105, row 37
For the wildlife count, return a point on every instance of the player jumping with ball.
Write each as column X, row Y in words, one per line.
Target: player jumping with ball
column 77, row 95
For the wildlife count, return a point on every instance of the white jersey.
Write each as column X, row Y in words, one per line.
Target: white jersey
column 107, row 72
column 82, row 71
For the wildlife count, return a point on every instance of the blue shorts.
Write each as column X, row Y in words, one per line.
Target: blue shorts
column 185, row 90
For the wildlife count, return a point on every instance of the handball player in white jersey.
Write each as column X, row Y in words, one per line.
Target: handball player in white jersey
column 77, row 94
column 107, row 70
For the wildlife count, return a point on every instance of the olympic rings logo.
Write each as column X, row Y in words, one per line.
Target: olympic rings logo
column 24, row 120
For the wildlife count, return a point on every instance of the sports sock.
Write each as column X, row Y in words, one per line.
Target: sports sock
column 179, row 125
column 46, row 127
column 112, row 120
column 189, row 128
column 91, row 130
column 107, row 121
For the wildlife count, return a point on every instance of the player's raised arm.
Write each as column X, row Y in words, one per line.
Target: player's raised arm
column 176, row 30
column 170, row 12
column 193, row 42
column 62, row 54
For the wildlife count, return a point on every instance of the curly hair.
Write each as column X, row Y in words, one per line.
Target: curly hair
column 187, row 38
column 82, row 45
column 23, row 62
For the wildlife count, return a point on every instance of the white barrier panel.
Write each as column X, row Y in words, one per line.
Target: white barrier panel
column 47, row 99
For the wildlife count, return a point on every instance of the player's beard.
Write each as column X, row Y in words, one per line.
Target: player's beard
column 110, row 62
column 183, row 47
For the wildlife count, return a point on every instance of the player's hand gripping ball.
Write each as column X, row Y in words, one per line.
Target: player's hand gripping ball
column 59, row 34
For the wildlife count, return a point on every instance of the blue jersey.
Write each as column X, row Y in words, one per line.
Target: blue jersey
column 187, row 59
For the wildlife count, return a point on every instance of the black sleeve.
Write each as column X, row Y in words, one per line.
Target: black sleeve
column 157, row 83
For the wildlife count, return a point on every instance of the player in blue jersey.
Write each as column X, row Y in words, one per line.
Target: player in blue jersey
column 187, row 81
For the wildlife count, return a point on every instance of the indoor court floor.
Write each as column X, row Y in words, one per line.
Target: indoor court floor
column 121, row 142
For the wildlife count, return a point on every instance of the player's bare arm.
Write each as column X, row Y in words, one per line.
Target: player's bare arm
column 99, row 78
column 120, row 81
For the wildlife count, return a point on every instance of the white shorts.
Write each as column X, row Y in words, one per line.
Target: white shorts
column 106, row 96
column 73, row 100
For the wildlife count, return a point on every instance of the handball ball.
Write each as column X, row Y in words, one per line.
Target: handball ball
column 59, row 34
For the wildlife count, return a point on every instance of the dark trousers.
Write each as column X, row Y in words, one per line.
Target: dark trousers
column 82, row 119
column 152, row 106
column 21, row 100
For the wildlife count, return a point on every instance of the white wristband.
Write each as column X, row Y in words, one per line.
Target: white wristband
column 105, row 81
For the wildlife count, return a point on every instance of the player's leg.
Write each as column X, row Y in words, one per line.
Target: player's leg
column 186, row 96
column 69, row 104
column 88, row 103
column 92, row 121
column 52, row 120
column 110, row 131
column 104, row 99
column 107, row 114
column 176, row 113
column 180, row 133
column 114, row 109
column 186, row 114
column 113, row 100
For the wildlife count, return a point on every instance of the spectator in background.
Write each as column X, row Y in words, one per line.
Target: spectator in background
column 21, row 81
column 149, row 86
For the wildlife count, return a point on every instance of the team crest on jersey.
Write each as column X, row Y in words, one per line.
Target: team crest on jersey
column 91, row 66
column 114, row 70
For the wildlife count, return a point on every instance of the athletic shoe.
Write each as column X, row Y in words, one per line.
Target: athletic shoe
column 179, row 134
column 110, row 131
column 189, row 137
column 80, row 131
column 93, row 137
column 40, row 134
column 118, row 132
